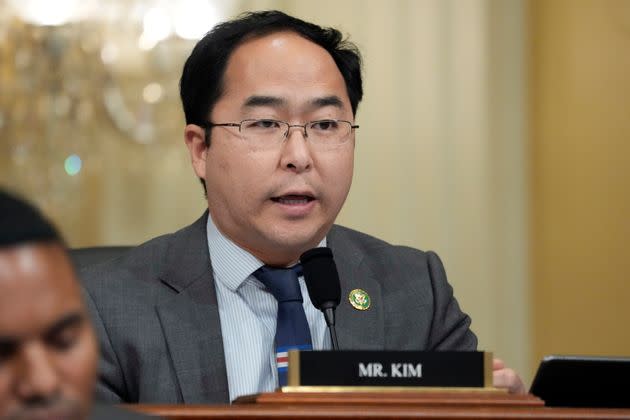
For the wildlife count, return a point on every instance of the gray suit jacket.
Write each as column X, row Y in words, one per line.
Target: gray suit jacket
column 156, row 316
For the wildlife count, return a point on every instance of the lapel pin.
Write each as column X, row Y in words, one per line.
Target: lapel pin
column 359, row 299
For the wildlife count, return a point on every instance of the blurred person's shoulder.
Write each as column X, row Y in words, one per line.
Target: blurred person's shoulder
column 108, row 412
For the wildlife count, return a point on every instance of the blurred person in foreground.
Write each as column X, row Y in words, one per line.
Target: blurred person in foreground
column 270, row 104
column 48, row 351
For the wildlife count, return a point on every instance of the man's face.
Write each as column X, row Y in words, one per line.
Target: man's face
column 276, row 202
column 48, row 351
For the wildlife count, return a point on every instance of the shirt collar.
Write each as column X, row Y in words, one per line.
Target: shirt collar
column 231, row 264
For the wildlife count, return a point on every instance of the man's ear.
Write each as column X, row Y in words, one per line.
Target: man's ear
column 195, row 138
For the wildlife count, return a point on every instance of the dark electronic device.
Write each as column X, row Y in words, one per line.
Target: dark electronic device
column 577, row 381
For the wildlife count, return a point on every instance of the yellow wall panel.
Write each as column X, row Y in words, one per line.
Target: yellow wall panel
column 580, row 176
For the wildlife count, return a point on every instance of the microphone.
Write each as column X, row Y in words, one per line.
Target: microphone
column 322, row 282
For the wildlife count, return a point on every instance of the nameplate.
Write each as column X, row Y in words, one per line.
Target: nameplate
column 399, row 369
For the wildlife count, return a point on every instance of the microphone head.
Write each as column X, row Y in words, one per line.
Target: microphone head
column 321, row 277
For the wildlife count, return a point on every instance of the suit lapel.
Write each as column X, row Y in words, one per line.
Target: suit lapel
column 190, row 321
column 356, row 329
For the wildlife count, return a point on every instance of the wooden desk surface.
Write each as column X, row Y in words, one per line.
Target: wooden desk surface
column 381, row 406
column 378, row 412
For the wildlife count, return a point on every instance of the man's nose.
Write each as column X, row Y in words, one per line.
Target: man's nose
column 37, row 376
column 296, row 150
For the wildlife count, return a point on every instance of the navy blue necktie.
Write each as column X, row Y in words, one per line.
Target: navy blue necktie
column 292, row 331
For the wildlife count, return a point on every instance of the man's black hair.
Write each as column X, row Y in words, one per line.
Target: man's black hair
column 201, row 84
column 20, row 223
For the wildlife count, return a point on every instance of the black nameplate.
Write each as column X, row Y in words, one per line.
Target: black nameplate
column 390, row 369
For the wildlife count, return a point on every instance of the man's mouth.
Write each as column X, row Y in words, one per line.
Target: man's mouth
column 293, row 200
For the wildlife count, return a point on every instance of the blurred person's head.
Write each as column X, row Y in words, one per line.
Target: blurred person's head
column 48, row 351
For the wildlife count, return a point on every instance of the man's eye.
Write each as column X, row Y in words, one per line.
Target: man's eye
column 7, row 350
column 64, row 340
column 325, row 125
column 264, row 124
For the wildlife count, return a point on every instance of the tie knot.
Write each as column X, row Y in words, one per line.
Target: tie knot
column 281, row 282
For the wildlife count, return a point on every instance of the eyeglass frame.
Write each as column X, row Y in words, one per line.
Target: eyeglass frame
column 209, row 125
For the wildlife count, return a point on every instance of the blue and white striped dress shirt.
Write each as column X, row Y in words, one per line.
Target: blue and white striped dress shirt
column 248, row 317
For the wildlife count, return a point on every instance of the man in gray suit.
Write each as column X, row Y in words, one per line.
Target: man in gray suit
column 270, row 104
column 48, row 350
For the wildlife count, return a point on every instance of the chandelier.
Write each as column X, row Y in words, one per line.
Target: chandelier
column 83, row 82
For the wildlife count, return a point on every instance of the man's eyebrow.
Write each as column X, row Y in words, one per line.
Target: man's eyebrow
column 274, row 101
column 70, row 320
column 262, row 100
column 332, row 100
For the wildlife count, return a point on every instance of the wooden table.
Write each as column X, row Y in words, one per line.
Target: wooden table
column 357, row 405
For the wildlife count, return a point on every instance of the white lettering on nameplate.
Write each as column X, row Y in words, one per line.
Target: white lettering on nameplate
column 397, row 370
column 371, row 370
column 406, row 370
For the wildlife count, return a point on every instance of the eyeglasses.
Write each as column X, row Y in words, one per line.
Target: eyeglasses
column 268, row 132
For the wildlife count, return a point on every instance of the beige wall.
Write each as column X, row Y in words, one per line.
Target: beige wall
column 580, row 176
